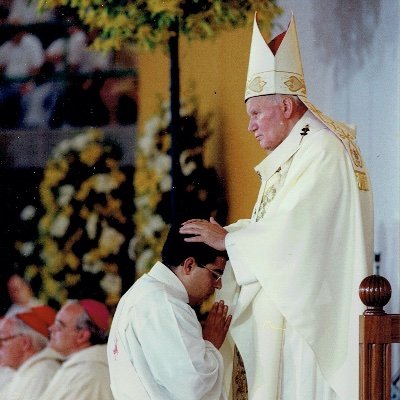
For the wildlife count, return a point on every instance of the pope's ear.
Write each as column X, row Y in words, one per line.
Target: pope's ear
column 187, row 265
column 287, row 106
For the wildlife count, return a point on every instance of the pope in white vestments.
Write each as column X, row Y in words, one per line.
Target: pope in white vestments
column 298, row 263
column 295, row 266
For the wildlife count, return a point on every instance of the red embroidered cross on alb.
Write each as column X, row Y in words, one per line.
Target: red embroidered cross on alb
column 115, row 349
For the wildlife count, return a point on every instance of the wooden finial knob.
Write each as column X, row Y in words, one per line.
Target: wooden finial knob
column 375, row 292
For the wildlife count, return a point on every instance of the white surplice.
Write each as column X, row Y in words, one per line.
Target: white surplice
column 156, row 349
column 6, row 375
column 83, row 376
column 34, row 375
column 294, row 271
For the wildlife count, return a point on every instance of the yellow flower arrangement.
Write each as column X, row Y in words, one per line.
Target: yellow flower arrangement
column 86, row 225
column 202, row 193
column 148, row 23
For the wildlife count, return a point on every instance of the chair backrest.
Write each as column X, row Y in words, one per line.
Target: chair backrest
column 378, row 331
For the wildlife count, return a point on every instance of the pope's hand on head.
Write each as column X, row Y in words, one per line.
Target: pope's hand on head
column 208, row 232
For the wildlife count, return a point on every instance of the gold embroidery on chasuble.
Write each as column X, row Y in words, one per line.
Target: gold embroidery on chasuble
column 239, row 380
column 271, row 188
column 348, row 140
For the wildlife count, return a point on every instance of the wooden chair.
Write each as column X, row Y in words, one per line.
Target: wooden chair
column 378, row 331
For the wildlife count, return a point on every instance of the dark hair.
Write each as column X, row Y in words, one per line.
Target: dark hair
column 4, row 12
column 97, row 335
column 176, row 250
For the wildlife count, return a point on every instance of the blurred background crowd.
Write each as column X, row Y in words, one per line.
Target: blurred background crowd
column 50, row 78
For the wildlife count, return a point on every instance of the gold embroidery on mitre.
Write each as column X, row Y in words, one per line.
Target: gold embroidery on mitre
column 295, row 84
column 257, row 84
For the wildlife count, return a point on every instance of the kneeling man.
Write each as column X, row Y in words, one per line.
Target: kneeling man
column 157, row 348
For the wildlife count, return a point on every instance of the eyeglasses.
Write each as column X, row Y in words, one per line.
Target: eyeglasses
column 6, row 339
column 217, row 275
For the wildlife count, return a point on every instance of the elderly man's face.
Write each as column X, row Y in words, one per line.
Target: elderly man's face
column 267, row 121
column 64, row 333
column 11, row 348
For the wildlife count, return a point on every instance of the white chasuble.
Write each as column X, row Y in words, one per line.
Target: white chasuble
column 294, row 271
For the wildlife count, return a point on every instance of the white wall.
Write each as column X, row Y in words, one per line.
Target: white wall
column 351, row 57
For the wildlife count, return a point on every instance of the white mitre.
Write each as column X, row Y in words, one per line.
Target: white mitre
column 270, row 73
column 276, row 68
